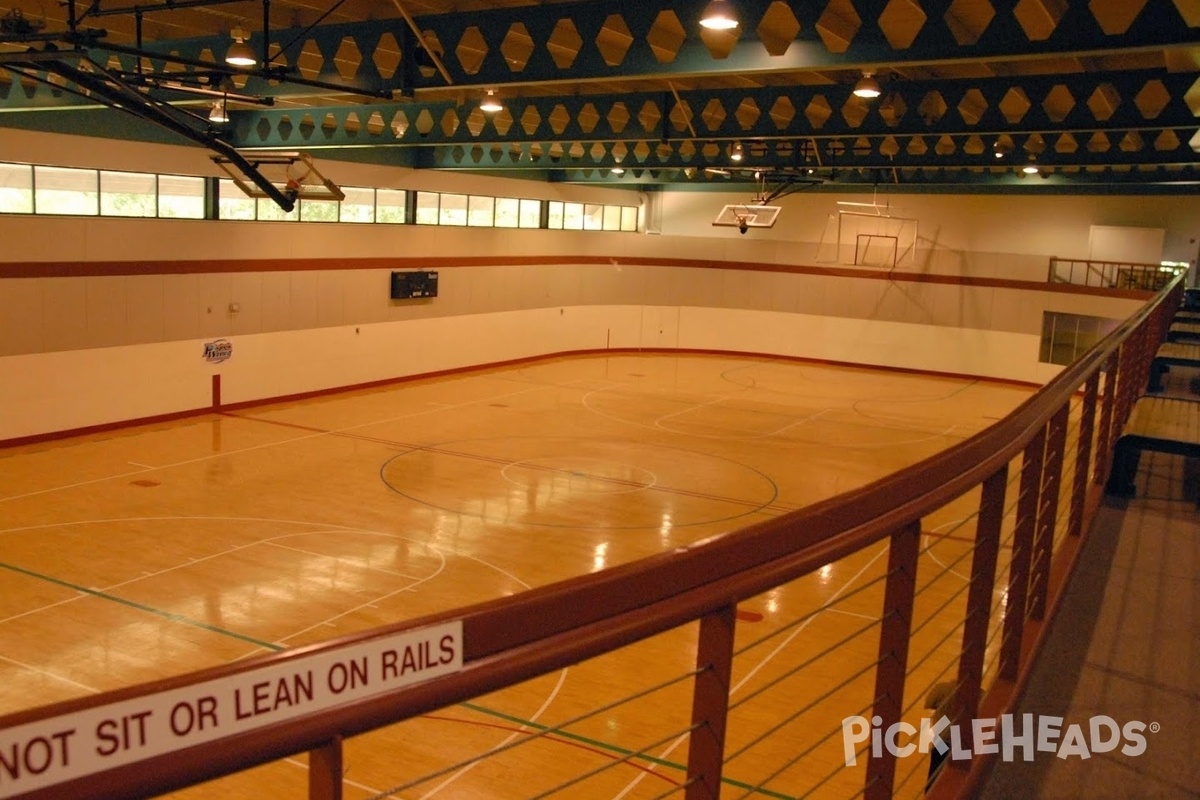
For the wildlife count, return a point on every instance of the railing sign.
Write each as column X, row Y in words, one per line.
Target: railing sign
column 75, row 745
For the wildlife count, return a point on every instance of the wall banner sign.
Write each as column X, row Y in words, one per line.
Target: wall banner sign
column 52, row 751
column 218, row 350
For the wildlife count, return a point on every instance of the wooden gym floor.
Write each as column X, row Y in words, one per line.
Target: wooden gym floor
column 156, row 550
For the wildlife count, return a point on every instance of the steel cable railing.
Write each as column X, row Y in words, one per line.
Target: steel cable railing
column 996, row 619
column 810, row 749
column 543, row 731
column 806, row 617
column 918, row 763
column 826, row 651
column 643, row 751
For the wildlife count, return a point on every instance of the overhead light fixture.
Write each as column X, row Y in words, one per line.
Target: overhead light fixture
column 867, row 87
column 618, row 170
column 999, row 150
column 736, row 153
column 491, row 104
column 239, row 53
column 1030, row 168
column 218, row 115
column 719, row 15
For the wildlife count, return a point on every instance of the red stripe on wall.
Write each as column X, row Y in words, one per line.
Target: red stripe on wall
column 69, row 269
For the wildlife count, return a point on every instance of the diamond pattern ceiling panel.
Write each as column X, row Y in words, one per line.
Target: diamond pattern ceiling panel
column 1093, row 85
column 992, row 105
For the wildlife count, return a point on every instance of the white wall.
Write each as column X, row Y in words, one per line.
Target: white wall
column 60, row 313
column 48, row 392
column 1003, row 236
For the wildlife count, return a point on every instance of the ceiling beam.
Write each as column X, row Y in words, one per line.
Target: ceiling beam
column 571, row 44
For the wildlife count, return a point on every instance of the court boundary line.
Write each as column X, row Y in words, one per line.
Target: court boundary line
column 795, row 423
column 599, row 352
column 275, row 647
column 212, row 456
column 321, row 527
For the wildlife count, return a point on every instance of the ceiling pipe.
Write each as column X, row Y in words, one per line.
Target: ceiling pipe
column 173, row 5
column 687, row 111
column 120, row 96
column 266, row 34
column 168, row 85
column 412, row 23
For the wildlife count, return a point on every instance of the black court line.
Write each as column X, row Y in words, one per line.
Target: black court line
column 408, row 448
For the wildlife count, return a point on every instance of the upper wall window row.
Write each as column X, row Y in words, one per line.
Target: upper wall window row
column 38, row 189
column 477, row 211
column 591, row 217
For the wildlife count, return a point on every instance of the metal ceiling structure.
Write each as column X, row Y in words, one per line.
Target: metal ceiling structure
column 1099, row 96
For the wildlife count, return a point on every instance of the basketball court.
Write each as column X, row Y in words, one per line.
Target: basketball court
column 152, row 551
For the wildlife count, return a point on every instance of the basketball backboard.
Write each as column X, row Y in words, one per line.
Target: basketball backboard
column 293, row 174
column 745, row 217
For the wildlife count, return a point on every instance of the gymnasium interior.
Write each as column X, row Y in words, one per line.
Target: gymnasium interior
column 513, row 399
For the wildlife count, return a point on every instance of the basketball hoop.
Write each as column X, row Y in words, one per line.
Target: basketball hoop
column 297, row 174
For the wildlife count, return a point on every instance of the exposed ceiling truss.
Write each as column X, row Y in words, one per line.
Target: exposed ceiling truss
column 1100, row 95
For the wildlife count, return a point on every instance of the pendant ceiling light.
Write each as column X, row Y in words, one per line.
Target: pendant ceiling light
column 719, row 15
column 491, row 104
column 867, row 87
column 218, row 114
column 239, row 53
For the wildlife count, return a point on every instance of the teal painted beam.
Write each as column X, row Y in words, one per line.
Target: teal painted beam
column 954, row 181
column 908, row 152
column 822, row 40
column 1145, row 99
column 501, row 47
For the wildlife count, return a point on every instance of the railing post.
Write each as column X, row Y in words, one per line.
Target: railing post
column 1052, row 465
column 1022, row 553
column 1164, row 315
column 710, row 704
column 1083, row 453
column 979, row 602
column 895, row 627
column 1144, row 344
column 1104, row 444
column 1130, row 379
column 325, row 771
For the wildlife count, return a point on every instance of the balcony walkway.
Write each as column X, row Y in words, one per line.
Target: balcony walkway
column 1126, row 644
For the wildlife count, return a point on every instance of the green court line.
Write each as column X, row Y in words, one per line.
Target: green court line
column 158, row 612
column 618, row 750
